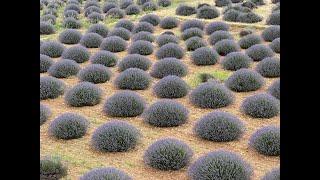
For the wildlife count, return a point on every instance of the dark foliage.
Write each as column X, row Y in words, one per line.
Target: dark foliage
column 164, row 3
column 207, row 12
column 211, row 95
column 52, row 49
column 192, row 32
column 71, row 23
column 143, row 35
column 100, row 29
column 216, row 26
column 124, row 104
column 83, row 94
column 46, row 28
column 171, row 87
column 45, row 113
column 274, row 89
column 261, row 106
column 271, row 33
column 168, row 154
column 194, row 43
column 236, row 60
column 51, row 87
column 70, row 36
column 113, row 44
column 115, row 13
column 149, row 6
column 249, row 40
column 168, row 66
column 120, row 32
column 141, row 47
column 150, row 18
column 95, row 73
column 218, row 36
column 169, row 22
column 134, row 61
column 170, row 50
column 115, row 136
column 51, row 168
column 165, row 39
column 219, row 126
column 269, row 67
column 105, row 173
column 105, row 58
column 204, row 56
column 185, row 10
column 68, row 126
column 125, row 23
column 226, row 46
column 143, row 26
column 133, row 10
column 259, row 51
column 193, row 23
column 220, row 164
column 64, row 68
column 77, row 53
column 274, row 174
column 266, row 141
column 244, row 80
column 45, row 63
column 275, row 45
column 91, row 40
column 133, row 79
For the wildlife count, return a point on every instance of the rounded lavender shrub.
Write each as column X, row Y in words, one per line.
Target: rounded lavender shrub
column 115, row 136
column 115, row 13
column 52, row 168
column 261, row 105
column 168, row 154
column 235, row 61
column 226, row 46
column 51, row 87
column 216, row 26
column 120, row 32
column 45, row 63
column 192, row 32
column 204, row 56
column 95, row 17
column 193, row 23
column 249, row 17
column 218, row 36
column 165, row 39
column 266, row 141
column 275, row 45
column 107, row 6
column 169, row 22
column 219, row 126
column 274, row 18
column 105, row 58
column 113, row 44
column 48, row 18
column 222, row 3
column 68, row 126
column 170, row 50
column 125, row 3
column 164, row 3
column 141, row 47
column 269, row 67
column 169, row 66
column 95, row 73
column 71, row 23
column 124, row 104
column 46, row 28
column 143, row 35
column 71, row 13
column 244, row 80
column 167, row 32
column 92, row 9
column 249, row 40
column 194, row 43
column 274, row 174
column 274, row 89
column 220, row 164
column 211, row 95
column 166, row 113
column 271, row 33
column 105, row 173
column 70, row 36
column 91, row 40
column 89, row 4
column 125, row 23
column 52, row 49
column 64, row 68
column 171, row 87
column 149, row 6
column 150, row 18
column 133, row 79
column 207, row 12
column 143, row 26
column 141, row 2
column 185, row 10
column 77, row 53
column 133, row 10
column 246, row 31
column 100, row 29
column 259, row 52
column 45, row 113
column 83, row 94
column 134, row 61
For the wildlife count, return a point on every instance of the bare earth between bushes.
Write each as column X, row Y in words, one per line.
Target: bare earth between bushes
column 81, row 157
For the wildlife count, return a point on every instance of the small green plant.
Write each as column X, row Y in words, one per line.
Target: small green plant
column 205, row 75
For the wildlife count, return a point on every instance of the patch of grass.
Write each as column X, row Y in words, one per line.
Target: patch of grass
column 195, row 79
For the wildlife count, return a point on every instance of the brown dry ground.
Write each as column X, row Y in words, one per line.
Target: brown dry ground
column 81, row 158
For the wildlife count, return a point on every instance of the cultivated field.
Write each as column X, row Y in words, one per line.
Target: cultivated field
column 79, row 155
